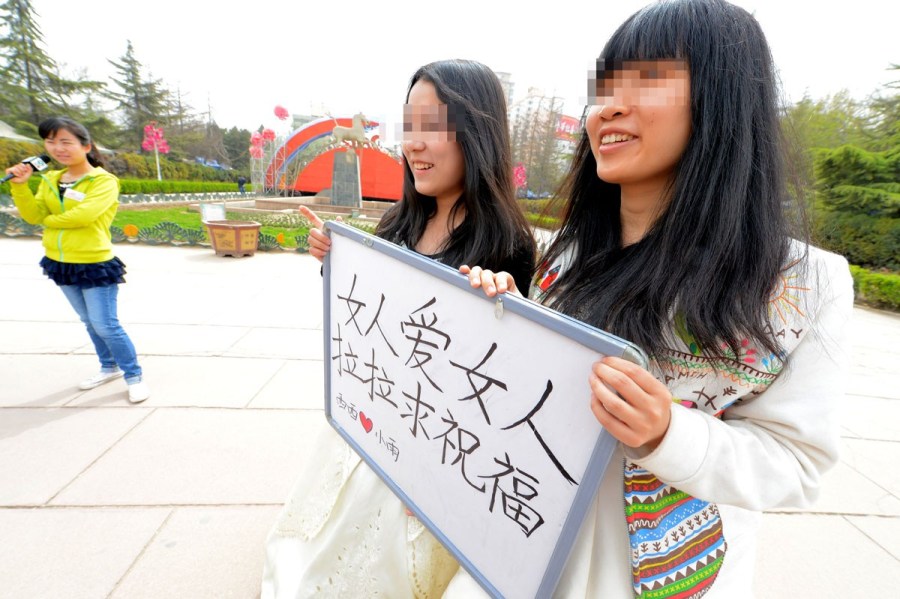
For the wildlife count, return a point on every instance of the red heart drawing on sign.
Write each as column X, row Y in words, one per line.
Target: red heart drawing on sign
column 365, row 422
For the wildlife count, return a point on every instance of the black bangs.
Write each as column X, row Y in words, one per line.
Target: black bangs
column 49, row 127
column 657, row 32
column 653, row 33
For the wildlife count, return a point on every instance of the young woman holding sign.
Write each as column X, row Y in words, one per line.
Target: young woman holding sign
column 458, row 202
column 75, row 206
column 343, row 532
column 675, row 237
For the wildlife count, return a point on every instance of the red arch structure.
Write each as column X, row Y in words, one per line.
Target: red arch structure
column 381, row 176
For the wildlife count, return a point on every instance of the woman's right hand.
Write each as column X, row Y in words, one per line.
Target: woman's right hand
column 319, row 242
column 491, row 282
column 21, row 172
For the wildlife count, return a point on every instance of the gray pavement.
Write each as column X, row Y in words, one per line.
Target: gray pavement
column 174, row 497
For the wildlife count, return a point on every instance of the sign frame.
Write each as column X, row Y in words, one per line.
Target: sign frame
column 594, row 339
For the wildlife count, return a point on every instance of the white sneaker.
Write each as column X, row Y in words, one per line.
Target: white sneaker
column 138, row 392
column 99, row 378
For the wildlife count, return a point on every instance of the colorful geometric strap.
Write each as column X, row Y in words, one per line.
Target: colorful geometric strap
column 677, row 545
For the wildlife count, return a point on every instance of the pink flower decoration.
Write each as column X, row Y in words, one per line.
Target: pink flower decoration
column 256, row 152
column 281, row 112
column 154, row 138
column 519, row 175
column 256, row 139
column 268, row 135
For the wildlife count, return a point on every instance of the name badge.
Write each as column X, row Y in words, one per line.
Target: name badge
column 74, row 195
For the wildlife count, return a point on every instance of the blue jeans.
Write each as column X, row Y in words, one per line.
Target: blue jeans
column 96, row 307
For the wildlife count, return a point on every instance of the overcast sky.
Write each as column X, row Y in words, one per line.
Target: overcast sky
column 243, row 58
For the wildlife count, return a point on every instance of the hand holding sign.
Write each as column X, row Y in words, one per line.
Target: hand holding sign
column 471, row 419
column 319, row 242
column 639, row 415
column 491, row 282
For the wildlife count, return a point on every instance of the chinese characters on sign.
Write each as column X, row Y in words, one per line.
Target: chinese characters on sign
column 477, row 418
column 372, row 351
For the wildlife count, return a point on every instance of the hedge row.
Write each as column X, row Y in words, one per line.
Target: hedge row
column 152, row 186
column 127, row 165
column 149, row 186
column 876, row 289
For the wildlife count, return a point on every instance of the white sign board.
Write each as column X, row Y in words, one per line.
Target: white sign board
column 212, row 212
column 474, row 411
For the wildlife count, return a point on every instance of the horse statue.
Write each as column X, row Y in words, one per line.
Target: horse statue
column 356, row 134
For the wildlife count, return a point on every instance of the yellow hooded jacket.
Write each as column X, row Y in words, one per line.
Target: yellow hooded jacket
column 76, row 227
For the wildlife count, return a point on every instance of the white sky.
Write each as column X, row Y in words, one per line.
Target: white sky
column 246, row 57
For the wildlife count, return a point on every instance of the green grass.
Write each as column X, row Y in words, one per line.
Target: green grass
column 191, row 220
column 149, row 218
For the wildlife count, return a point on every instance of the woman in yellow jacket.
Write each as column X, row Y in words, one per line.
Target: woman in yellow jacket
column 76, row 206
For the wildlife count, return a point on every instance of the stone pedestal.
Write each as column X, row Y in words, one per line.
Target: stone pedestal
column 346, row 188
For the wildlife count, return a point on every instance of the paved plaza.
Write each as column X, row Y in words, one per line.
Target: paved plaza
column 174, row 497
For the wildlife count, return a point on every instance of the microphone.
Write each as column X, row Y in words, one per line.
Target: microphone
column 37, row 164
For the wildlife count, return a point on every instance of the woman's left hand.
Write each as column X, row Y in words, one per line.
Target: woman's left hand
column 490, row 282
column 639, row 415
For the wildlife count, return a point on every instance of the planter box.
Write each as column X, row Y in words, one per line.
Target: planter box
column 233, row 237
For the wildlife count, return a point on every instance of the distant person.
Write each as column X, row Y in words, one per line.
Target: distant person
column 75, row 206
column 676, row 237
column 458, row 208
column 242, row 181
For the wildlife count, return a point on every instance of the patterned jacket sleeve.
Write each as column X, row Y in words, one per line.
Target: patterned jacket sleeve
column 771, row 450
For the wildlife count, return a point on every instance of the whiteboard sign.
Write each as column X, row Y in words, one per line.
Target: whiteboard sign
column 212, row 212
column 474, row 412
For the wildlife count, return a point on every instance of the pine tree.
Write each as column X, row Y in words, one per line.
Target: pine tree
column 140, row 98
column 236, row 142
column 33, row 87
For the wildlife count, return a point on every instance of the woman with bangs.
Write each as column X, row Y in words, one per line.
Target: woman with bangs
column 76, row 206
column 676, row 237
column 458, row 202
column 343, row 533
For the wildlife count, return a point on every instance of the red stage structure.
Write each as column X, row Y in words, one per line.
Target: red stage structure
column 381, row 175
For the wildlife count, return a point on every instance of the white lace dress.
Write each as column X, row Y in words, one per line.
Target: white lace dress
column 343, row 533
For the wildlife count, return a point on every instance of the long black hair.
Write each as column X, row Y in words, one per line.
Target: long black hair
column 713, row 256
column 493, row 230
column 49, row 127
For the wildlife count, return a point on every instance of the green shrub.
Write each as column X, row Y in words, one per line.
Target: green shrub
column 542, row 222
column 544, row 214
column 869, row 241
column 12, row 151
column 875, row 288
